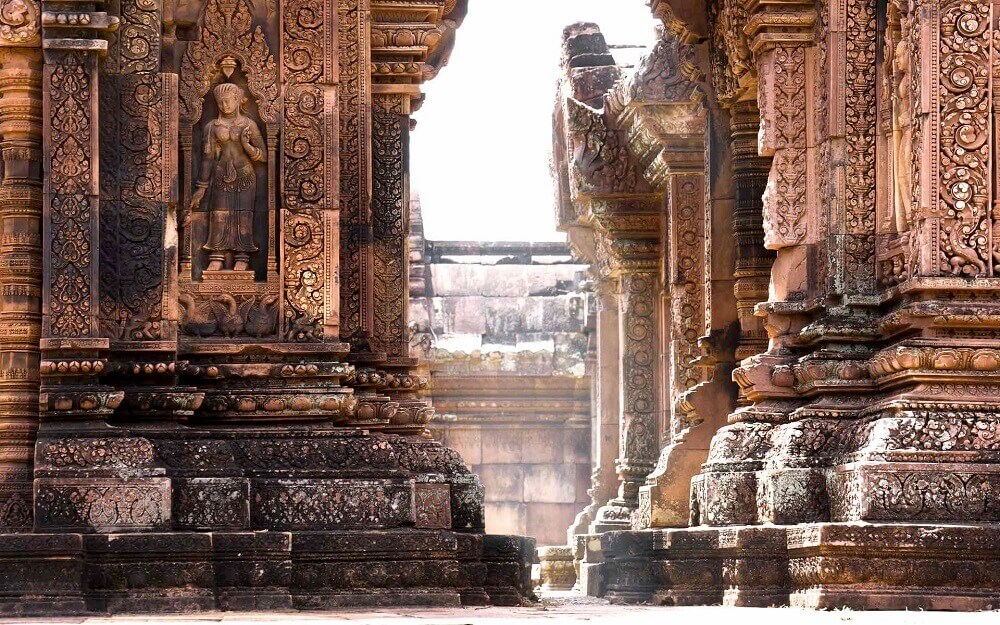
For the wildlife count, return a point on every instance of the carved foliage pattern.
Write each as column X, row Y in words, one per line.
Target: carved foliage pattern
column 306, row 187
column 600, row 156
column 69, row 90
column 227, row 30
column 134, row 116
column 90, row 506
column 353, row 166
column 731, row 58
column 638, row 305
column 964, row 149
column 783, row 107
column 860, row 118
column 688, row 281
column 388, row 224
column 138, row 42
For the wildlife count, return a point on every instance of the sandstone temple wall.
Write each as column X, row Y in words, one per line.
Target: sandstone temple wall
column 206, row 395
column 505, row 340
column 789, row 214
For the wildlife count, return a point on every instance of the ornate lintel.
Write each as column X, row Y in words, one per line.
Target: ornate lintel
column 776, row 22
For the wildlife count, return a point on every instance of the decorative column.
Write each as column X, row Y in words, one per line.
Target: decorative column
column 354, row 97
column 74, row 350
column 20, row 261
column 408, row 46
column 605, row 437
column 636, row 267
column 753, row 261
column 390, row 245
column 780, row 37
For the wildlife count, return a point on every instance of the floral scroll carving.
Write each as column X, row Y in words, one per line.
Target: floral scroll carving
column 227, row 32
column 310, row 190
column 783, row 133
column 388, row 223
column 70, row 86
column 731, row 57
column 19, row 22
column 354, row 132
column 638, row 319
column 964, row 151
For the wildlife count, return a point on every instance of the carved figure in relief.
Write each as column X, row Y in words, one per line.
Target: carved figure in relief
column 231, row 146
column 902, row 120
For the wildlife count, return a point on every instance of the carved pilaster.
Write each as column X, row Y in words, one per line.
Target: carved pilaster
column 20, row 268
column 356, row 269
column 313, row 202
column 753, row 261
column 638, row 446
column 604, row 481
column 390, row 195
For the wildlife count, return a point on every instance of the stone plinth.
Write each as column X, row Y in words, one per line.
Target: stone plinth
column 557, row 570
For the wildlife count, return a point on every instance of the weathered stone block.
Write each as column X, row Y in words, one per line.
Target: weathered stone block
column 149, row 572
column 547, row 522
column 467, row 505
column 330, row 504
column 252, row 570
column 508, row 560
column 432, row 506
column 916, row 492
column 467, row 441
column 550, row 483
column 919, row 566
column 41, row 574
column 542, row 446
column 503, row 482
column 211, row 503
column 503, row 446
column 505, row 517
column 102, row 505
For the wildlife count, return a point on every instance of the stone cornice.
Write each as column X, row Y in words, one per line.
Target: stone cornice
column 412, row 39
column 776, row 22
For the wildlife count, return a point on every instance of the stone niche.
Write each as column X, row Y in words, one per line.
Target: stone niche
column 190, row 428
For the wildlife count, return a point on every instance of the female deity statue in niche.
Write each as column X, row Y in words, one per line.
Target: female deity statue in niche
column 902, row 133
column 232, row 144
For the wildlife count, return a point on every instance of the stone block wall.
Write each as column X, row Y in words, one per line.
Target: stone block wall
column 502, row 328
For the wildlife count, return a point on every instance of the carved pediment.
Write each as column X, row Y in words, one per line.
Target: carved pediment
column 600, row 160
column 227, row 33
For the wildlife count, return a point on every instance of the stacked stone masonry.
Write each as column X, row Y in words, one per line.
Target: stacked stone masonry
column 788, row 209
column 506, row 333
column 207, row 397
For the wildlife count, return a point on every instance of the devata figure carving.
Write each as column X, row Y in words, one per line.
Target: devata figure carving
column 902, row 153
column 231, row 146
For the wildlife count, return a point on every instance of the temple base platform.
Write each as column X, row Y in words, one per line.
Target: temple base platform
column 859, row 566
column 76, row 574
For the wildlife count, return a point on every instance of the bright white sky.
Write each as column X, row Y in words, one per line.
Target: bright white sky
column 480, row 153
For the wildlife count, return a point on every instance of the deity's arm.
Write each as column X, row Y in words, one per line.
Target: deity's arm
column 207, row 156
column 254, row 143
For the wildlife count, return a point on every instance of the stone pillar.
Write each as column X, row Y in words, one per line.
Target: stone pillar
column 390, row 201
column 605, row 401
column 81, row 495
column 390, row 247
column 638, row 436
column 753, row 261
column 21, row 266
column 664, row 498
column 724, row 493
column 356, row 268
